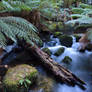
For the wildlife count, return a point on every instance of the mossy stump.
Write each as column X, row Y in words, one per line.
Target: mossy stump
column 14, row 75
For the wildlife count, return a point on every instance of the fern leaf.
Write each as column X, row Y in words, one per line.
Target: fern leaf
column 15, row 27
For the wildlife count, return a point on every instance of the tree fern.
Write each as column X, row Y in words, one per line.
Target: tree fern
column 15, row 27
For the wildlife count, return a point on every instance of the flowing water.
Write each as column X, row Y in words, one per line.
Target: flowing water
column 81, row 64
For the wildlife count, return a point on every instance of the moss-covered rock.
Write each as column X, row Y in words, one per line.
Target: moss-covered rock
column 59, row 51
column 66, row 40
column 47, row 51
column 13, row 76
column 56, row 34
column 77, row 37
column 67, row 60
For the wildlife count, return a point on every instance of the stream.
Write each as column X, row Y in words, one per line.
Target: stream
column 81, row 64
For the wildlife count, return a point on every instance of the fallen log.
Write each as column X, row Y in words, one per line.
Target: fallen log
column 63, row 74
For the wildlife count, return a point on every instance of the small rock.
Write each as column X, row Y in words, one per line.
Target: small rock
column 67, row 60
column 59, row 51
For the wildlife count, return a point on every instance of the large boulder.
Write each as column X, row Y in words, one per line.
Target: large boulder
column 66, row 40
column 17, row 75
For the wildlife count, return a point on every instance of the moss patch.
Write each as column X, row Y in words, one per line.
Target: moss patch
column 56, row 34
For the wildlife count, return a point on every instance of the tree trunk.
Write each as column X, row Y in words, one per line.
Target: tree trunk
column 61, row 73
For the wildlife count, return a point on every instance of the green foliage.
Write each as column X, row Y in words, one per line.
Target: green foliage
column 77, row 10
column 17, row 28
column 82, row 5
column 76, row 16
column 83, row 20
column 28, row 5
column 25, row 82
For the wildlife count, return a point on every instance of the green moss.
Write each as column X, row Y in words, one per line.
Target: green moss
column 66, row 40
column 46, row 50
column 60, row 25
column 17, row 73
column 67, row 60
column 56, row 34
column 52, row 26
column 59, row 51
column 77, row 10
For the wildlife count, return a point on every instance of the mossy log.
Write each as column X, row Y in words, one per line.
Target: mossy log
column 61, row 73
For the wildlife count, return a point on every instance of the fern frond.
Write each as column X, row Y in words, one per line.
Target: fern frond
column 2, row 40
column 15, row 27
